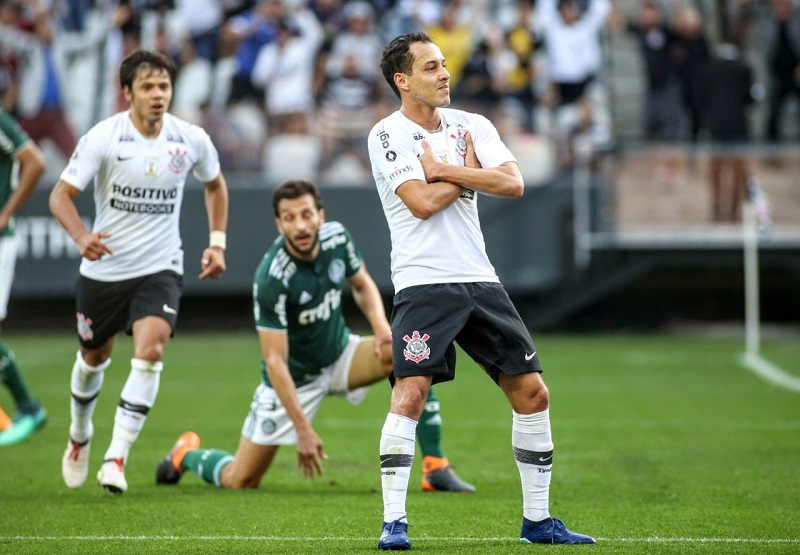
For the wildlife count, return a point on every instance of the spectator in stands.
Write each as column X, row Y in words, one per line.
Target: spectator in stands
column 781, row 35
column 572, row 43
column 729, row 94
column 347, row 113
column 691, row 55
column 285, row 70
column 243, row 37
column 663, row 119
column 523, row 43
column 42, row 67
column 455, row 39
column 202, row 20
column 483, row 81
column 358, row 42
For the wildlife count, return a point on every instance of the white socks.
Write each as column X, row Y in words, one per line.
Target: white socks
column 136, row 399
column 532, row 443
column 397, row 455
column 85, row 386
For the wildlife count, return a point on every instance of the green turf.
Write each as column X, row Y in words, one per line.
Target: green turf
column 663, row 445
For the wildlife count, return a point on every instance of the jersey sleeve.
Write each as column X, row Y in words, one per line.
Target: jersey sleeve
column 393, row 154
column 269, row 299
column 87, row 158
column 489, row 147
column 12, row 136
column 207, row 166
column 354, row 260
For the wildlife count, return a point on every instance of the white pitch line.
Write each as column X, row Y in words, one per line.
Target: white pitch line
column 770, row 372
column 652, row 539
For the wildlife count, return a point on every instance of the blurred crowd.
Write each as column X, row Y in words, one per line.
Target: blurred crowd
column 292, row 87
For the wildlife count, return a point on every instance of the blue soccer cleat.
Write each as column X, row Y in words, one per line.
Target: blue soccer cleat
column 25, row 424
column 394, row 536
column 550, row 530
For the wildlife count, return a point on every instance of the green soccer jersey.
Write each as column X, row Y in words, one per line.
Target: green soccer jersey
column 304, row 299
column 12, row 138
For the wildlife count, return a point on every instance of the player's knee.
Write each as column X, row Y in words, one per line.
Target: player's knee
column 153, row 351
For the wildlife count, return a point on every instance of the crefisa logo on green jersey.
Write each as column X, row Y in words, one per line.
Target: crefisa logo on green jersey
column 332, row 300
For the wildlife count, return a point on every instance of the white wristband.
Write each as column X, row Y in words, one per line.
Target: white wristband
column 217, row 239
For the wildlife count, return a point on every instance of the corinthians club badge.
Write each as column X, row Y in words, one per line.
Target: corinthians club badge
column 416, row 348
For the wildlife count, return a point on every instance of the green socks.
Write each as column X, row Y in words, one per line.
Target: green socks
column 10, row 376
column 207, row 464
column 429, row 428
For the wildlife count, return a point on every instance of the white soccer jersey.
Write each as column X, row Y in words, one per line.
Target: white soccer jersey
column 138, row 191
column 448, row 247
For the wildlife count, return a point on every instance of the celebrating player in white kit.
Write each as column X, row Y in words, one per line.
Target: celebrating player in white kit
column 131, row 273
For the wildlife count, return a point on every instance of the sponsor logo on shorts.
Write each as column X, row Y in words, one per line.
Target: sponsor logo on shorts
column 85, row 327
column 416, row 347
column 530, row 356
column 168, row 309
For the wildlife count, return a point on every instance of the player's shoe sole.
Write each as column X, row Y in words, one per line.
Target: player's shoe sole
column 394, row 536
column 111, row 476
column 75, row 463
column 438, row 475
column 551, row 530
column 169, row 470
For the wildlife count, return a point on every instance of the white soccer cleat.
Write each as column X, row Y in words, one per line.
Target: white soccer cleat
column 75, row 463
column 112, row 476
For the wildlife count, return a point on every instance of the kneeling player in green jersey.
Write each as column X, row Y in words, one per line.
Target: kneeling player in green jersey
column 309, row 353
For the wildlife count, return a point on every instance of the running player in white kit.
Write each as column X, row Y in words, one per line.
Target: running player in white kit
column 131, row 273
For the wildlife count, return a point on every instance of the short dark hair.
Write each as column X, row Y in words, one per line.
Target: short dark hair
column 143, row 59
column 397, row 57
column 295, row 188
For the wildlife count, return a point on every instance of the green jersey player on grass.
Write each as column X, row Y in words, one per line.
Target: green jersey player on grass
column 308, row 352
column 21, row 165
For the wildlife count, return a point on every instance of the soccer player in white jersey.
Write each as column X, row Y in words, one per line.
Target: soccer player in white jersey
column 429, row 162
column 131, row 273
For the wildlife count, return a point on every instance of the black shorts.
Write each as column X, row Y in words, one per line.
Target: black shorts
column 104, row 308
column 480, row 317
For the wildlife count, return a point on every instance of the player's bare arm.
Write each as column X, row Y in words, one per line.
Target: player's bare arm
column 502, row 181
column 62, row 206
column 275, row 349
column 426, row 199
column 369, row 301
column 31, row 167
column 212, row 262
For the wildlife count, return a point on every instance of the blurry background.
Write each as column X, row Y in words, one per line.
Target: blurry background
column 639, row 128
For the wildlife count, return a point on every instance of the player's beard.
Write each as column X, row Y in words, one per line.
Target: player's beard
column 304, row 252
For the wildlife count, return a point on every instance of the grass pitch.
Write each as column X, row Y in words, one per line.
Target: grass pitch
column 663, row 445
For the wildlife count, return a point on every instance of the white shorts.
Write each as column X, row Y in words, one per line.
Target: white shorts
column 267, row 423
column 8, row 259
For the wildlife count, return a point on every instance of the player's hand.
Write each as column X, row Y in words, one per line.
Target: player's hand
column 382, row 347
column 212, row 263
column 92, row 247
column 470, row 158
column 310, row 454
column 429, row 162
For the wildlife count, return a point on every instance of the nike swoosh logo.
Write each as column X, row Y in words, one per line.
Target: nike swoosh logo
column 169, row 310
column 121, row 159
column 545, row 459
column 530, row 356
